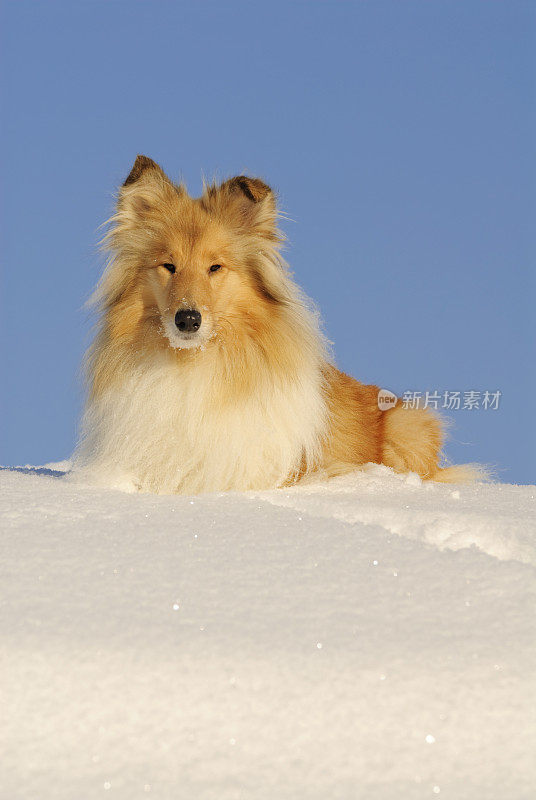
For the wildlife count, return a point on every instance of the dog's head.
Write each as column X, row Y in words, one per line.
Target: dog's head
column 187, row 271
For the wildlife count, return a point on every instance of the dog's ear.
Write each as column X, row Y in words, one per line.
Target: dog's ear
column 146, row 188
column 141, row 165
column 246, row 203
column 253, row 188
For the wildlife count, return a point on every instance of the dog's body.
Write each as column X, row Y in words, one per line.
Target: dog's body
column 209, row 371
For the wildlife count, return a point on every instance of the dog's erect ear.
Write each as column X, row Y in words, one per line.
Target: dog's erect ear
column 246, row 203
column 142, row 165
column 147, row 187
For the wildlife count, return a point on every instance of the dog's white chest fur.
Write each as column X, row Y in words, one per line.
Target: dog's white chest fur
column 170, row 429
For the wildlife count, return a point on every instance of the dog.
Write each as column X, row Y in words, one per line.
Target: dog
column 209, row 372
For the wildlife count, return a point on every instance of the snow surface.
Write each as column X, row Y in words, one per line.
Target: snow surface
column 364, row 639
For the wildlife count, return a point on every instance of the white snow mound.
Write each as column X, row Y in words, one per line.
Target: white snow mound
column 372, row 637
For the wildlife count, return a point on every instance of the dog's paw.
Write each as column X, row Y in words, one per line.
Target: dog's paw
column 125, row 483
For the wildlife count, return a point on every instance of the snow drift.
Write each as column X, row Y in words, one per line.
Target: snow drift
column 372, row 637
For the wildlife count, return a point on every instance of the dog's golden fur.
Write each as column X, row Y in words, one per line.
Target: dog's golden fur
column 248, row 401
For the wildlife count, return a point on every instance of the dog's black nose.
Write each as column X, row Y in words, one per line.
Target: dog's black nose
column 188, row 320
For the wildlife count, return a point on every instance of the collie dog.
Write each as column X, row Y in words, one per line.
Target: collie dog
column 209, row 371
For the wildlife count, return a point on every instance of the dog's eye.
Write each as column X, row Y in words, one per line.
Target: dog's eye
column 215, row 268
column 169, row 267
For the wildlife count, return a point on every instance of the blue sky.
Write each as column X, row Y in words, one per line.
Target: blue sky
column 399, row 135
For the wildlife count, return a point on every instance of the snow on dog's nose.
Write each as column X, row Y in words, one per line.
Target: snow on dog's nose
column 188, row 320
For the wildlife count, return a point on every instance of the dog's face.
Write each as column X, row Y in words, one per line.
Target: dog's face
column 200, row 280
column 188, row 271
column 192, row 280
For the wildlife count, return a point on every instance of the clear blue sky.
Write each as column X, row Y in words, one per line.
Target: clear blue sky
column 399, row 135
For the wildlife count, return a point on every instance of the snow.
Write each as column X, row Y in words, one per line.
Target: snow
column 372, row 637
